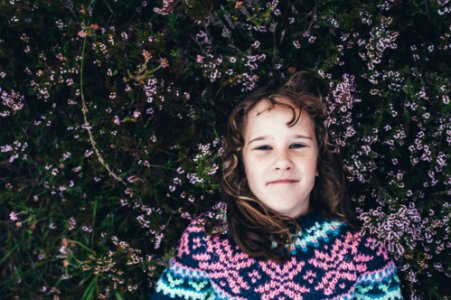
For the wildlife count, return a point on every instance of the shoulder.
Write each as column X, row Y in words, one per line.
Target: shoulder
column 372, row 253
column 367, row 253
column 365, row 249
column 192, row 235
column 201, row 232
column 378, row 274
column 185, row 278
column 375, row 270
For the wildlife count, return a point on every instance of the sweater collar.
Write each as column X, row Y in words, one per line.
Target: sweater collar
column 309, row 219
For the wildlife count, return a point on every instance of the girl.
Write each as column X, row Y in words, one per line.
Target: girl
column 286, row 231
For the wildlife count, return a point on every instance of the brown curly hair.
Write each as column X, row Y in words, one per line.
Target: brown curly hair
column 257, row 229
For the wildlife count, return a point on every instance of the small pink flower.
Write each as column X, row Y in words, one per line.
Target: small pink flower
column 82, row 34
column 199, row 59
column 117, row 121
column 133, row 179
column 94, row 26
column 13, row 216
column 164, row 62
column 136, row 114
column 147, row 55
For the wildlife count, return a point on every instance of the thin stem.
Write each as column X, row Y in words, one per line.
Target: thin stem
column 84, row 109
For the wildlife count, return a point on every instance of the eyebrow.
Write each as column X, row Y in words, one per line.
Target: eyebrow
column 297, row 136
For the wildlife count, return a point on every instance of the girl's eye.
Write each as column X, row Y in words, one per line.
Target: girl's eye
column 264, row 147
column 297, row 146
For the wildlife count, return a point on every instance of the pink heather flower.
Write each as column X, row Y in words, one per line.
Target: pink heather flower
column 82, row 34
column 186, row 215
column 71, row 223
column 158, row 239
column 86, row 228
column 147, row 55
column 144, row 223
column 11, row 100
column 117, row 121
column 94, row 26
column 133, row 179
column 63, row 251
column 168, row 7
column 6, row 148
column 202, row 37
column 88, row 153
column 150, row 88
column 256, row 45
column 136, row 114
column 164, row 62
column 13, row 216
column 238, row 4
column 200, row 59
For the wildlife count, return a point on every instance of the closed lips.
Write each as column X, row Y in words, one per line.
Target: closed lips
column 283, row 181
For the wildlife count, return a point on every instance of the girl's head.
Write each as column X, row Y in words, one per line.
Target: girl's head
column 278, row 164
column 280, row 154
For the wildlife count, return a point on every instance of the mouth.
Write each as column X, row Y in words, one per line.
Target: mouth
column 283, row 181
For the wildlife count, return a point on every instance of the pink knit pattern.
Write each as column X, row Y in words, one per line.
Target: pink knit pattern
column 331, row 263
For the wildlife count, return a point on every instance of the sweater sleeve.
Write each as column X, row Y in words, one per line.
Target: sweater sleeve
column 379, row 281
column 183, row 279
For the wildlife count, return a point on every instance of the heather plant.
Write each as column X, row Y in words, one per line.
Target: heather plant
column 112, row 116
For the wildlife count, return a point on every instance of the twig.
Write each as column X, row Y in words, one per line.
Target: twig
column 84, row 110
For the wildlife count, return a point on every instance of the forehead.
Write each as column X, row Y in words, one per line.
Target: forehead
column 265, row 110
column 265, row 116
column 265, row 104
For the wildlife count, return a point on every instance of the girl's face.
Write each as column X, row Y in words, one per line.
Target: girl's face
column 280, row 161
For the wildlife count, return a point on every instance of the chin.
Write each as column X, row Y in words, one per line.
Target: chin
column 284, row 211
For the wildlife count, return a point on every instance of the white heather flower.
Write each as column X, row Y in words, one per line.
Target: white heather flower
column 6, row 148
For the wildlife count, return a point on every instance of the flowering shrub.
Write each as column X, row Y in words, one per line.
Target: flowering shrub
column 112, row 117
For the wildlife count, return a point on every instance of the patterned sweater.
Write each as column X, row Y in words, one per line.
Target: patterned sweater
column 329, row 261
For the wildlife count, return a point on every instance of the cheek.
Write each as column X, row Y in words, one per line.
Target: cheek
column 314, row 165
column 253, row 173
column 308, row 167
column 250, row 172
column 253, row 183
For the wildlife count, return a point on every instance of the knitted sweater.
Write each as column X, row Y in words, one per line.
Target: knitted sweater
column 329, row 261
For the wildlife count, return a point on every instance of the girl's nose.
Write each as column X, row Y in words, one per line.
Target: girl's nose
column 282, row 161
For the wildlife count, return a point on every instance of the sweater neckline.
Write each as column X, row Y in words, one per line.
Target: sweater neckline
column 309, row 219
column 314, row 229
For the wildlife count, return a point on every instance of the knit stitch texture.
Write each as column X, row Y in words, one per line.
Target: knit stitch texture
column 329, row 261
